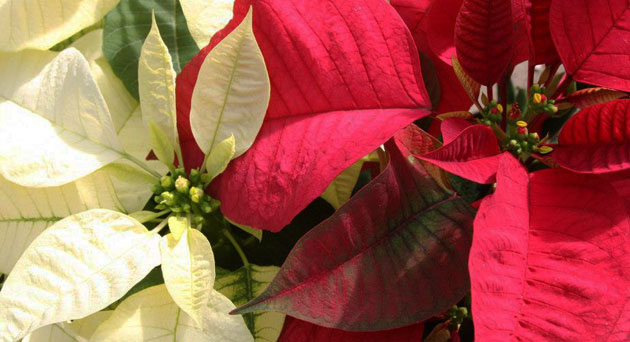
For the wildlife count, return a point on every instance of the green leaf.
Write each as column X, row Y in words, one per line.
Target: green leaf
column 126, row 28
column 243, row 285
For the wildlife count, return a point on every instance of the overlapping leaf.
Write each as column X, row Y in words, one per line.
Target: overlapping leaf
column 40, row 24
column 151, row 315
column 550, row 259
column 232, row 93
column 26, row 212
column 243, row 285
column 591, row 40
column 76, row 331
column 54, row 124
column 296, row 330
column 126, row 27
column 394, row 255
column 484, row 38
column 544, row 50
column 340, row 88
column 597, row 139
column 473, row 154
column 76, row 267
column 206, row 17
column 592, row 96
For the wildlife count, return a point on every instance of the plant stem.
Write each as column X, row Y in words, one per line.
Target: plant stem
column 160, row 226
column 142, row 165
column 530, row 76
column 564, row 84
column 237, row 247
column 503, row 99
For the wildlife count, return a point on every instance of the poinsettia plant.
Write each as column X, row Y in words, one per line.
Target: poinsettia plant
column 295, row 171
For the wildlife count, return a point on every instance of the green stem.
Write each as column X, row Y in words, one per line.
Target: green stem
column 160, row 226
column 142, row 165
column 237, row 247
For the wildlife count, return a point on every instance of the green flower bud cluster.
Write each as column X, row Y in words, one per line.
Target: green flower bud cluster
column 492, row 113
column 521, row 141
column 184, row 195
column 456, row 316
column 539, row 101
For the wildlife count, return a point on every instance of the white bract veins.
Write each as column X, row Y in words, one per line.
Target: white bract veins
column 70, row 175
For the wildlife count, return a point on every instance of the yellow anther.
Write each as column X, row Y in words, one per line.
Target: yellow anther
column 545, row 149
column 500, row 108
column 537, row 98
column 521, row 123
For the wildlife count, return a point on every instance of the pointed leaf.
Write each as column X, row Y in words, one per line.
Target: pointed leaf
column 232, row 94
column 151, row 315
column 40, row 24
column 257, row 233
column 592, row 96
column 296, row 330
column 188, row 269
column 126, row 28
column 55, row 126
column 591, row 41
column 484, row 38
column 132, row 185
column 74, row 268
column 473, row 154
column 401, row 243
column 26, row 212
column 205, row 17
column 242, row 286
column 220, row 156
column 340, row 88
column 597, row 139
column 156, row 79
column 550, row 259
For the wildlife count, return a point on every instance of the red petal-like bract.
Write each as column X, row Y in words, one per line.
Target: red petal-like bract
column 592, row 40
column 394, row 255
column 453, row 127
column 544, row 50
column 484, row 39
column 295, row 330
column 345, row 75
column 452, row 94
column 441, row 19
column 597, row 139
column 473, row 154
column 550, row 259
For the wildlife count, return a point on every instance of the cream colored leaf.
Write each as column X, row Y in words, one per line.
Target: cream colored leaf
column 243, row 285
column 120, row 103
column 131, row 184
column 76, row 267
column 77, row 331
column 26, row 212
column 220, row 156
column 54, row 127
column 232, row 92
column 156, row 81
column 41, row 24
column 206, row 17
column 188, row 269
column 340, row 189
column 161, row 144
column 134, row 137
column 178, row 225
column 152, row 315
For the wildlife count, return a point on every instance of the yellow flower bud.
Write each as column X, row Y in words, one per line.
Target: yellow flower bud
column 521, row 123
column 537, row 98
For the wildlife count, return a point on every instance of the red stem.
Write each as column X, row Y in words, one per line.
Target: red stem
column 562, row 87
